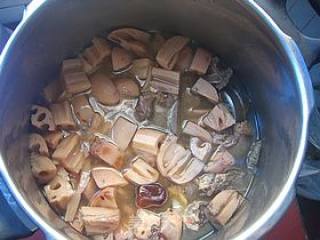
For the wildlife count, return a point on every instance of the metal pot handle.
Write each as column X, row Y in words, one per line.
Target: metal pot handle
column 310, row 47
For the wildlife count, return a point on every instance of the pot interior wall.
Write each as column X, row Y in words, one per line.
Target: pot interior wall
column 62, row 28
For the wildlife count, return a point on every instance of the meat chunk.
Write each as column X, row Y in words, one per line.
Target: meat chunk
column 220, row 162
column 171, row 225
column 194, row 216
column 146, row 225
column 200, row 149
column 144, row 108
column 217, row 75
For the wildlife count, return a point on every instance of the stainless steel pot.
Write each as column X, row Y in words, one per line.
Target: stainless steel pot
column 266, row 59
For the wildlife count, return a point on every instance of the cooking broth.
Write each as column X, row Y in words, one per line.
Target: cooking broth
column 145, row 137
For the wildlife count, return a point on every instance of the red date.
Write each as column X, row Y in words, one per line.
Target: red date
column 151, row 195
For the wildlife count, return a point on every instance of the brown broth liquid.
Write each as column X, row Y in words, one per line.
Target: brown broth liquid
column 177, row 196
column 187, row 106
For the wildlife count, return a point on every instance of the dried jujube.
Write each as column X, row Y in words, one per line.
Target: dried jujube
column 151, row 195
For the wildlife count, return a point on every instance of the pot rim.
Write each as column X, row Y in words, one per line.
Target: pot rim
column 273, row 213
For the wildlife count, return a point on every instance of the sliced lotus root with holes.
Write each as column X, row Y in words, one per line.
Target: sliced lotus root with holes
column 42, row 168
column 58, row 192
column 37, row 144
column 42, row 119
column 53, row 139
